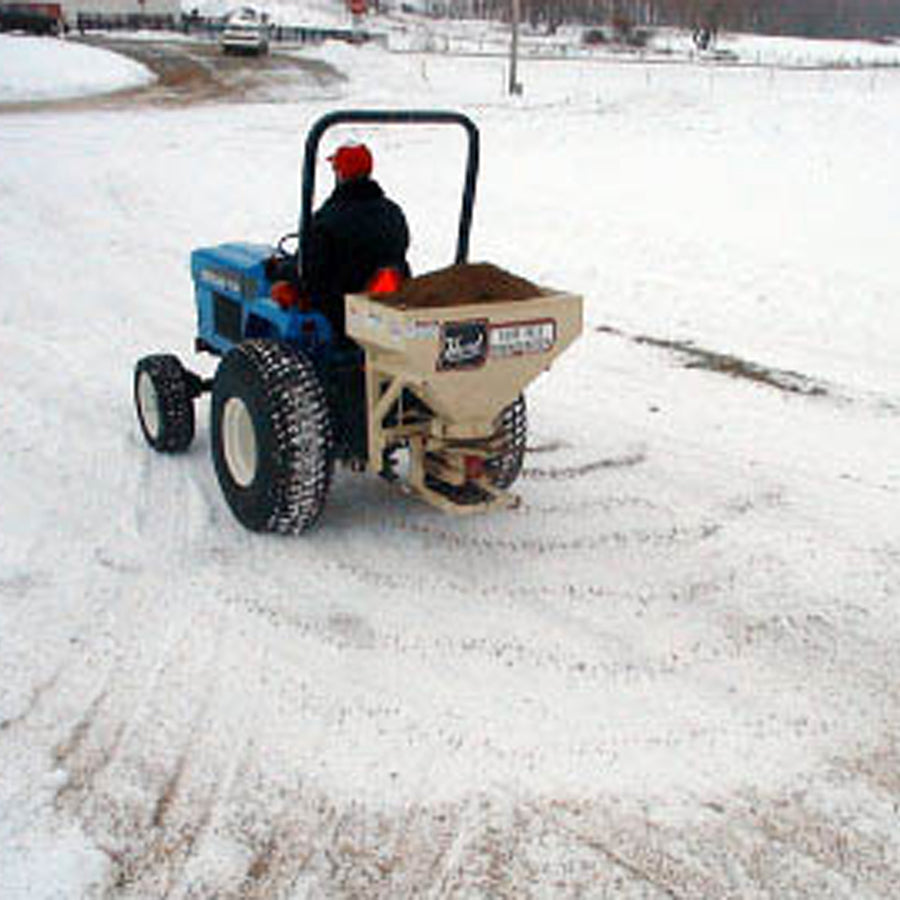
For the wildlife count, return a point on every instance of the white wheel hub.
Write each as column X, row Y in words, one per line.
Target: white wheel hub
column 148, row 405
column 239, row 442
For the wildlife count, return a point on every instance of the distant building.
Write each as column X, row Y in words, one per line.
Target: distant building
column 72, row 8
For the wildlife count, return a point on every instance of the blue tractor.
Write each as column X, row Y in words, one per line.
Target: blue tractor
column 290, row 397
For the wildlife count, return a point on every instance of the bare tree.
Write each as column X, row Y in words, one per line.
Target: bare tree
column 812, row 18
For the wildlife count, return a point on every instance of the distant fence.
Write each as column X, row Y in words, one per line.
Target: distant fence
column 126, row 22
column 211, row 28
column 303, row 35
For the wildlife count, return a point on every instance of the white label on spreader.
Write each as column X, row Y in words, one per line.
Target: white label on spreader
column 419, row 330
column 521, row 338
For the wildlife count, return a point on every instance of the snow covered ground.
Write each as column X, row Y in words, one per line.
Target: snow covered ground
column 671, row 673
column 33, row 68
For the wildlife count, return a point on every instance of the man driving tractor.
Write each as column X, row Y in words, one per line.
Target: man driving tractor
column 356, row 232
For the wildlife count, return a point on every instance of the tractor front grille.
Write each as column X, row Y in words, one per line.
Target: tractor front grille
column 226, row 317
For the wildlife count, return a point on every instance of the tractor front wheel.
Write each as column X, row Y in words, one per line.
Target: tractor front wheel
column 164, row 403
column 272, row 441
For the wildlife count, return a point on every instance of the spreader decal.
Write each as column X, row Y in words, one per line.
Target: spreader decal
column 464, row 345
column 522, row 338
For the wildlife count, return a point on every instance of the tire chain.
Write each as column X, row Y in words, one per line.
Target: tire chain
column 504, row 468
column 300, row 420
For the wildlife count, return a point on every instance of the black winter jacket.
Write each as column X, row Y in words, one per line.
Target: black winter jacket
column 355, row 232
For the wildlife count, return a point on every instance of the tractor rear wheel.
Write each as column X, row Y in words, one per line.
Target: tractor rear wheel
column 504, row 468
column 164, row 403
column 272, row 440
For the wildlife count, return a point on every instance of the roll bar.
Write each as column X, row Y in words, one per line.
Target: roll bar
column 391, row 117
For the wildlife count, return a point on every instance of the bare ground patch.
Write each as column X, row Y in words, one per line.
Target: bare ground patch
column 694, row 357
column 301, row 842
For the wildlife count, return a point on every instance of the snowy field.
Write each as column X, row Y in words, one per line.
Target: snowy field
column 672, row 673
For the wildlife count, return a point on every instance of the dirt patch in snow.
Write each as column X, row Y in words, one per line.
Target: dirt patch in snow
column 695, row 357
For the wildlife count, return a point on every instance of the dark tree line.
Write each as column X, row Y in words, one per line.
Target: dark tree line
column 809, row 18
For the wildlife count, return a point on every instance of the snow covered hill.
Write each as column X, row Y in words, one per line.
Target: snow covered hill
column 671, row 673
column 33, row 68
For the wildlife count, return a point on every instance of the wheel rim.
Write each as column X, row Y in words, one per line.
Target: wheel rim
column 239, row 442
column 148, row 405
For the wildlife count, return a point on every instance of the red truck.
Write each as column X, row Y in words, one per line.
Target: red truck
column 32, row 18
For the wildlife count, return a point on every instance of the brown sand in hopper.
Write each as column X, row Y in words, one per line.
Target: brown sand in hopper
column 462, row 284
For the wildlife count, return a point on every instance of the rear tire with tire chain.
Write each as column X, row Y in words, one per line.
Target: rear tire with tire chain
column 512, row 425
column 271, row 437
column 503, row 468
column 164, row 403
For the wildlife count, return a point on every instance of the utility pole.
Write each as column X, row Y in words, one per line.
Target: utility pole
column 514, row 87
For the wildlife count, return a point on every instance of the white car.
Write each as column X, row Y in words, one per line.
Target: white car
column 246, row 31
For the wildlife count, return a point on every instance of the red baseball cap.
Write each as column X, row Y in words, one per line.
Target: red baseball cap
column 352, row 161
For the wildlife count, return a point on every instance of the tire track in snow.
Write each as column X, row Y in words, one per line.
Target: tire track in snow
column 33, row 703
column 181, row 814
column 149, row 832
column 634, row 524
column 570, row 473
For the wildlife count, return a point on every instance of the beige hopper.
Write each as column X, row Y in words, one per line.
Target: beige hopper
column 439, row 378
